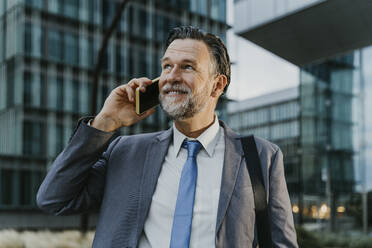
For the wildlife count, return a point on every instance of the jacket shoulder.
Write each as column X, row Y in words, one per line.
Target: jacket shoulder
column 139, row 139
column 262, row 145
column 265, row 145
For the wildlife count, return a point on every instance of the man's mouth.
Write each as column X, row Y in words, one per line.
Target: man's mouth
column 172, row 92
column 175, row 90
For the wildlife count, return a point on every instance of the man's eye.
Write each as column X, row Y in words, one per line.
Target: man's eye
column 166, row 66
column 188, row 67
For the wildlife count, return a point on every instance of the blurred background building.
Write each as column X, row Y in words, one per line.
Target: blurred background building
column 276, row 117
column 48, row 50
column 330, row 42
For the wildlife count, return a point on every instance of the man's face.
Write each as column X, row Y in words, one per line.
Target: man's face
column 186, row 80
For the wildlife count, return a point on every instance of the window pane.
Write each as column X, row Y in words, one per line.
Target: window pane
column 55, row 45
column 142, row 20
column 59, row 138
column 202, row 7
column 106, row 60
column 132, row 61
column 38, row 177
column 25, row 189
column 156, row 68
column 27, row 138
column 37, row 41
column 55, row 6
column 194, row 5
column 34, row 3
column 52, row 92
column 38, row 137
column 107, row 12
column 28, row 39
column 85, row 94
column 159, row 27
column 142, row 62
column 27, row 88
column 120, row 60
column 59, row 93
column 104, row 94
column 75, row 98
column 222, row 10
column 10, row 79
column 68, row 95
column 6, row 187
column 91, row 52
column 71, row 8
column 123, row 24
column 71, row 48
column 184, row 4
column 89, row 97
column 84, row 52
column 33, row 141
column 214, row 9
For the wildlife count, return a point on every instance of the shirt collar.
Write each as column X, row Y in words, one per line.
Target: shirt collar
column 208, row 138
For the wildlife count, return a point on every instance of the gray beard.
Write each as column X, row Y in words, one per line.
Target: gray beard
column 192, row 105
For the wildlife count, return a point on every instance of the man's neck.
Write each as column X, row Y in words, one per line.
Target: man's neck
column 195, row 126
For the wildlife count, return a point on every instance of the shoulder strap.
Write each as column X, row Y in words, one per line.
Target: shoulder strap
column 259, row 192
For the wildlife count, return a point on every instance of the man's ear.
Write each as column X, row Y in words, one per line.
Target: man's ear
column 220, row 83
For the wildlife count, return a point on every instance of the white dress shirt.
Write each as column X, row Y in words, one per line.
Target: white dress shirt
column 158, row 225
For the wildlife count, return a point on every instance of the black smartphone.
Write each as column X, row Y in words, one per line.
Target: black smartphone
column 148, row 99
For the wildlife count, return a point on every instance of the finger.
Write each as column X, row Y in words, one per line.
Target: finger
column 140, row 82
column 120, row 90
column 130, row 93
column 143, row 83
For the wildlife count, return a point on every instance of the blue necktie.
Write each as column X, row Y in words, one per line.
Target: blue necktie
column 182, row 220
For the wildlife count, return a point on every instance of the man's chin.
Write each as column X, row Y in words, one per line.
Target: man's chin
column 176, row 107
column 174, row 99
column 173, row 110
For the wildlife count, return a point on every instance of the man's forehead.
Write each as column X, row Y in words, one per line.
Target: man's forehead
column 188, row 48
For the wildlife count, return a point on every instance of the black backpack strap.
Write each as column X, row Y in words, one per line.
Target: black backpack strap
column 259, row 192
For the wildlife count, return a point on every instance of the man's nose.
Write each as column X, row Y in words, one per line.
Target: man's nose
column 174, row 74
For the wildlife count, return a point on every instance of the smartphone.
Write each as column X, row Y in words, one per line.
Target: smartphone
column 148, row 99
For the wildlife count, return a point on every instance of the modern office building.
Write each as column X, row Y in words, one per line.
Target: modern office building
column 331, row 43
column 275, row 117
column 48, row 50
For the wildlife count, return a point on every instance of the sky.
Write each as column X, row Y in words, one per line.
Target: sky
column 255, row 71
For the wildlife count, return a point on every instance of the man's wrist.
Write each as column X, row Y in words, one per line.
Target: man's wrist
column 103, row 123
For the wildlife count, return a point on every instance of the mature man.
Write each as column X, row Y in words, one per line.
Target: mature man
column 187, row 186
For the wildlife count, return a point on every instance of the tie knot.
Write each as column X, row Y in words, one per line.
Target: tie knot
column 192, row 146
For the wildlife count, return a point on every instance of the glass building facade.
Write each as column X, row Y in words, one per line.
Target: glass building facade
column 324, row 131
column 365, row 119
column 335, row 92
column 48, row 51
column 336, row 132
column 275, row 117
column 328, row 101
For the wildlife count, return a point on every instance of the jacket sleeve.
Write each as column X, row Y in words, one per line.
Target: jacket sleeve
column 280, row 209
column 75, row 181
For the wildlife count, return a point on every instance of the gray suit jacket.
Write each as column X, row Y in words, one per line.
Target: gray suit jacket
column 120, row 177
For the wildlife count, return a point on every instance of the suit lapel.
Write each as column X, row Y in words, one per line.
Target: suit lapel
column 154, row 159
column 232, row 161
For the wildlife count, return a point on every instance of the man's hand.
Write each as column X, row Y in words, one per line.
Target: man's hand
column 119, row 107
